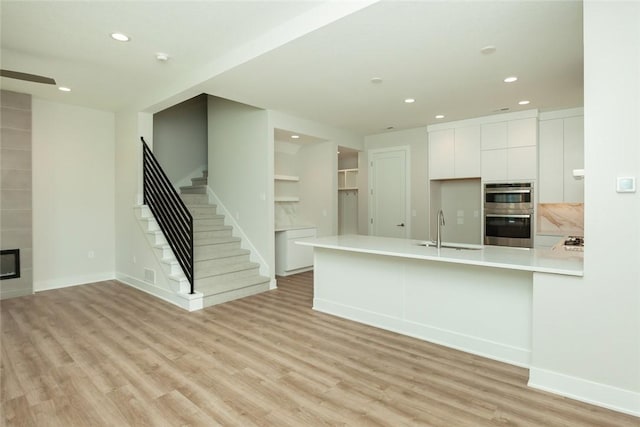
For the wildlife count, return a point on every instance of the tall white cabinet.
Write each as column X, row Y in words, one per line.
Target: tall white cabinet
column 561, row 152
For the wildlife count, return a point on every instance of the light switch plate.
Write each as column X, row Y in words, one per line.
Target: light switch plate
column 626, row 184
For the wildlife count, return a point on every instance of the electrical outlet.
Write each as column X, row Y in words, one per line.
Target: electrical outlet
column 91, row 254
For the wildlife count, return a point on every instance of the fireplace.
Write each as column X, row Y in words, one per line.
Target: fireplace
column 9, row 264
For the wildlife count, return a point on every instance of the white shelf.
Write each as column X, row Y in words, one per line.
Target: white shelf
column 347, row 179
column 286, row 178
column 287, row 199
column 348, row 189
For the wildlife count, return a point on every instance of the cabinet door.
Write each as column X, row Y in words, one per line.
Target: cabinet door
column 493, row 136
column 441, row 154
column 573, row 159
column 521, row 163
column 467, row 152
column 523, row 132
column 494, row 165
column 551, row 161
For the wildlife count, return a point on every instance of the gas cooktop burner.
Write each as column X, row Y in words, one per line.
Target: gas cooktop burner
column 574, row 241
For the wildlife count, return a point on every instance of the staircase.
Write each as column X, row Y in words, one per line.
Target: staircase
column 223, row 270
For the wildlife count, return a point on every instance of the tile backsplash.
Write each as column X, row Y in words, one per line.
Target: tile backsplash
column 560, row 219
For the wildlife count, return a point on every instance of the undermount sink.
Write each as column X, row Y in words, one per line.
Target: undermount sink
column 457, row 246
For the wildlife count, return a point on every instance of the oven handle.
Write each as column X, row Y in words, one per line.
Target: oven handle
column 492, row 191
column 507, row 216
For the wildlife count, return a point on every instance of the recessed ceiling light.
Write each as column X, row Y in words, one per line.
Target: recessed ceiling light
column 295, row 136
column 64, row 89
column 488, row 50
column 510, row 79
column 120, row 37
column 162, row 56
column 440, row 116
column 376, row 80
column 523, row 102
column 409, row 101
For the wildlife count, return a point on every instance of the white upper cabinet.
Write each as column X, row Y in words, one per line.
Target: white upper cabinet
column 561, row 151
column 441, row 154
column 454, row 153
column 522, row 133
column 467, row 152
column 509, row 150
column 494, row 136
column 496, row 148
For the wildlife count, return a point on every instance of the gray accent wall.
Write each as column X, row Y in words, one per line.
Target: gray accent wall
column 16, row 189
column 180, row 140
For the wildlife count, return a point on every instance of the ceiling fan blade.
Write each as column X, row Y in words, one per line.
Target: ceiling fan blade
column 27, row 77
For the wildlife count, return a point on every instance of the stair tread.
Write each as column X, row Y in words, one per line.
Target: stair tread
column 236, row 283
column 215, row 241
column 205, row 228
column 223, row 253
column 201, row 205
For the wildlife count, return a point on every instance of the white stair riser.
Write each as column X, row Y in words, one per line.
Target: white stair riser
column 200, row 211
column 222, row 278
column 157, row 238
column 211, row 222
column 222, row 297
column 202, row 235
column 194, row 190
column 179, row 285
column 199, row 181
column 164, row 252
column 202, row 252
column 210, row 266
column 195, row 199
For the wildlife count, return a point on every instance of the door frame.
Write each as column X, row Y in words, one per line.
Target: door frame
column 407, row 185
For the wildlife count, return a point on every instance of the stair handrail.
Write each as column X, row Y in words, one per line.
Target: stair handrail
column 172, row 215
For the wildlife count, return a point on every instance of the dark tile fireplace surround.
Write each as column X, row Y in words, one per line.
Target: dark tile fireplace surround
column 16, row 241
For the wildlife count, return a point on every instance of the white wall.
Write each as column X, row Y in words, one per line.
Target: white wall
column 180, row 140
column 586, row 332
column 416, row 139
column 241, row 169
column 73, row 195
column 318, row 186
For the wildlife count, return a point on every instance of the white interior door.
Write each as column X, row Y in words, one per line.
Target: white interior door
column 388, row 191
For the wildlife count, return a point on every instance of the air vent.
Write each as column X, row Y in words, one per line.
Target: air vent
column 150, row 276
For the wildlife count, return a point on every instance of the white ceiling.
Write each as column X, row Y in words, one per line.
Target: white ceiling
column 309, row 58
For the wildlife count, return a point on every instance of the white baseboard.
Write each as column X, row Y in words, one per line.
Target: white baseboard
column 255, row 255
column 14, row 293
column 47, row 285
column 614, row 398
column 469, row 344
column 189, row 302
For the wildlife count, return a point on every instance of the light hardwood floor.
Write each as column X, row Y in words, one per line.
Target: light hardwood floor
column 108, row 355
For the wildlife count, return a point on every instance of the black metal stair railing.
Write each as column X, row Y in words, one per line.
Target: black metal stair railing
column 175, row 220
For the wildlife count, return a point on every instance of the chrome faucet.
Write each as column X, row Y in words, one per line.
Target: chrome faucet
column 439, row 232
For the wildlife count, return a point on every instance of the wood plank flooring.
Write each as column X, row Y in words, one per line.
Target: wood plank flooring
column 106, row 354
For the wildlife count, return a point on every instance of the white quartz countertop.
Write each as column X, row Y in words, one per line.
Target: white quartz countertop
column 537, row 260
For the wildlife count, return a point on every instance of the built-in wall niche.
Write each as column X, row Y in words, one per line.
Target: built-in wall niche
column 9, row 264
column 348, row 190
column 460, row 201
column 291, row 176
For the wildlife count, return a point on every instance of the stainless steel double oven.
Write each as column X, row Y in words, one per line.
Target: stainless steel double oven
column 509, row 214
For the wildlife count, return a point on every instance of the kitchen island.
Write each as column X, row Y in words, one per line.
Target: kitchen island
column 478, row 300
